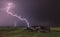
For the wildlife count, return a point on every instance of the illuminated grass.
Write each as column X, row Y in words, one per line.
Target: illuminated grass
column 55, row 29
column 19, row 32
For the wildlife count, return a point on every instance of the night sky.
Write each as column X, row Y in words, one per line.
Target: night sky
column 35, row 11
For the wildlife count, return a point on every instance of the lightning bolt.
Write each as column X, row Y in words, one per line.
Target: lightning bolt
column 19, row 17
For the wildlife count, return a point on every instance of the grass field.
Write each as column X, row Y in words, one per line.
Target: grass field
column 19, row 32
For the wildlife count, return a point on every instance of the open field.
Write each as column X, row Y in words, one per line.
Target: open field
column 19, row 32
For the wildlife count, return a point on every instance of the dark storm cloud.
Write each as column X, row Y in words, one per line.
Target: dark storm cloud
column 42, row 10
column 35, row 11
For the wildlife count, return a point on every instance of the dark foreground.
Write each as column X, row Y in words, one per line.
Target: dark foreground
column 20, row 32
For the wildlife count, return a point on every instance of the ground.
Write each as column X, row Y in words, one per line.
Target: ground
column 20, row 32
